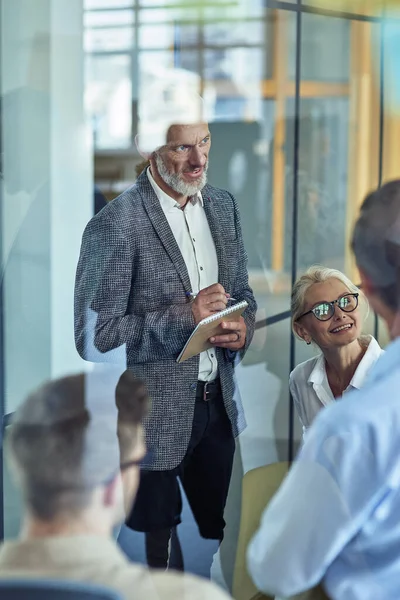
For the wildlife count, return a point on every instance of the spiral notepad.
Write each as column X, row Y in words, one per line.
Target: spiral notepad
column 208, row 327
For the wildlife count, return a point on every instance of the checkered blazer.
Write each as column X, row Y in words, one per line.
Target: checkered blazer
column 132, row 277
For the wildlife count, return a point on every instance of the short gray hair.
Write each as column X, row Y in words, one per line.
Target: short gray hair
column 315, row 274
column 376, row 241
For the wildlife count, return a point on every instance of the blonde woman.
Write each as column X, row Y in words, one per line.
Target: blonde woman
column 326, row 311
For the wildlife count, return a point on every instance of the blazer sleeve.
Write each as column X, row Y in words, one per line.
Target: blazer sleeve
column 298, row 400
column 102, row 288
column 241, row 287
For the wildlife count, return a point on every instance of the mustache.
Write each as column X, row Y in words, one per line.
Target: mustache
column 191, row 169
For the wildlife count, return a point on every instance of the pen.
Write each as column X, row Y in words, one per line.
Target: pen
column 193, row 296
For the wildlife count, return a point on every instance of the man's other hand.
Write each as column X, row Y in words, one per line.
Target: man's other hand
column 235, row 336
column 208, row 301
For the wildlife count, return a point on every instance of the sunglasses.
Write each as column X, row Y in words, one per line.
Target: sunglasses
column 325, row 310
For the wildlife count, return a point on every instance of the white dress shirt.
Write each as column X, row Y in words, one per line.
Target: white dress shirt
column 336, row 516
column 193, row 236
column 309, row 384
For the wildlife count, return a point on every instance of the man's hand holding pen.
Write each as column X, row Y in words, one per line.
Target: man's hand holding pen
column 213, row 299
column 208, row 301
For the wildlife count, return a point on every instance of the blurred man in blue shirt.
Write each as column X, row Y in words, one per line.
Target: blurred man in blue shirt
column 336, row 518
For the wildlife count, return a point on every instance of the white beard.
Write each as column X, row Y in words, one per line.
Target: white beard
column 175, row 181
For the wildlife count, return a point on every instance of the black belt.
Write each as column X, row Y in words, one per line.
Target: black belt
column 208, row 390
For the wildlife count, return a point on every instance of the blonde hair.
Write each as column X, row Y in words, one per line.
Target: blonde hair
column 316, row 274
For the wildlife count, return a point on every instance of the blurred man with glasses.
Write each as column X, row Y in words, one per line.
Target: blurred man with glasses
column 75, row 446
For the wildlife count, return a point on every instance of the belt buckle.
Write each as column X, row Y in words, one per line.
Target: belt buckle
column 206, row 392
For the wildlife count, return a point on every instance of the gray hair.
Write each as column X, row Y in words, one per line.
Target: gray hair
column 316, row 274
column 376, row 241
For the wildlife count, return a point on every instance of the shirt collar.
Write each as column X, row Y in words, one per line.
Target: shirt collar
column 166, row 201
column 318, row 374
column 370, row 357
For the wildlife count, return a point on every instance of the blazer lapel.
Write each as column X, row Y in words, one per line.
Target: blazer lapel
column 216, row 232
column 163, row 230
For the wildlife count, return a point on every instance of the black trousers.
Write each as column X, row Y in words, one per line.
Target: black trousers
column 205, row 474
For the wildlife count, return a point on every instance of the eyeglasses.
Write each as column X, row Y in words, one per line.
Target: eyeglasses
column 325, row 310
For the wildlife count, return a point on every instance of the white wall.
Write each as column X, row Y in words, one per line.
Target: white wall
column 71, row 175
column 46, row 187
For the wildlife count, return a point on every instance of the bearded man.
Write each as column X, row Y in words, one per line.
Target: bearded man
column 154, row 262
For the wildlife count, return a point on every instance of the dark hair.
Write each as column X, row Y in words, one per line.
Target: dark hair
column 63, row 438
column 376, row 241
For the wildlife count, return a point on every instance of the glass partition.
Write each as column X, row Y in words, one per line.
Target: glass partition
column 301, row 131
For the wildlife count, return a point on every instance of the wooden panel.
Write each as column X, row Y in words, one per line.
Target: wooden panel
column 308, row 89
column 269, row 89
column 363, row 162
column 391, row 147
column 315, row 89
column 357, row 7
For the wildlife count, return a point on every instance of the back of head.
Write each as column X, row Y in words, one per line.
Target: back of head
column 376, row 242
column 63, row 441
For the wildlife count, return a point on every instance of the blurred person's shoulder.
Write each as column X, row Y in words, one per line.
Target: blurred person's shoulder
column 100, row 561
column 141, row 583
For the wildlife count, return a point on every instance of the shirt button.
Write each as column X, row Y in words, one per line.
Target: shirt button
column 193, row 386
column 201, row 268
column 212, row 355
column 193, row 239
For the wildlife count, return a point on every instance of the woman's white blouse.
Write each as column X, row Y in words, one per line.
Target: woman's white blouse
column 309, row 385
